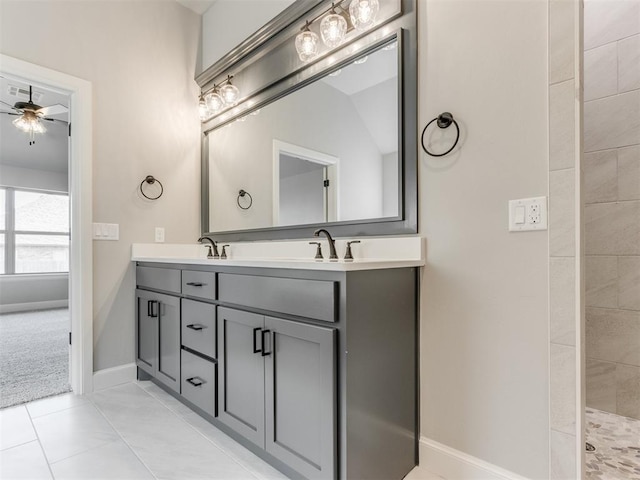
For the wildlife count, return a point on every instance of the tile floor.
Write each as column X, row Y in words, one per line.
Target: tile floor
column 617, row 442
column 133, row 431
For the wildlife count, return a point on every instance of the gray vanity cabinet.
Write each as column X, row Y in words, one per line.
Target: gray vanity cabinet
column 277, row 388
column 241, row 373
column 300, row 396
column 158, row 336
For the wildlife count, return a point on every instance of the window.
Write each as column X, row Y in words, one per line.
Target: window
column 34, row 231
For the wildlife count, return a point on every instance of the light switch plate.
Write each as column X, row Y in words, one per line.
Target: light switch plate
column 535, row 214
column 106, row 231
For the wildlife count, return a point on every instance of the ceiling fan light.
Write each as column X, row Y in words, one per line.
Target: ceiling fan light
column 307, row 44
column 333, row 29
column 214, row 102
column 29, row 123
column 363, row 13
column 230, row 94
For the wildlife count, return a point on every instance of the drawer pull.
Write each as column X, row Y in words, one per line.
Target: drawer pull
column 195, row 326
column 196, row 381
column 255, row 346
column 264, row 348
column 196, row 284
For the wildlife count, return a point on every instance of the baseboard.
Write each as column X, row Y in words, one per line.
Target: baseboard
column 110, row 377
column 26, row 307
column 454, row 464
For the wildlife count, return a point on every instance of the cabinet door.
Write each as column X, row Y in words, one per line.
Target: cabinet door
column 241, row 373
column 168, row 320
column 146, row 332
column 300, row 404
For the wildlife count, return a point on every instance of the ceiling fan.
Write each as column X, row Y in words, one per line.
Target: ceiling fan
column 30, row 115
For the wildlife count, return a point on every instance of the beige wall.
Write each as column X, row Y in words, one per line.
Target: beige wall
column 612, row 205
column 140, row 58
column 484, row 323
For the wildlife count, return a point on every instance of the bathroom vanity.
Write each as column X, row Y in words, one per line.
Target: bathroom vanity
column 311, row 366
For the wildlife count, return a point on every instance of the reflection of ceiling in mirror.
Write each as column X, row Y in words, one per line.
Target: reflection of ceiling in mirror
column 380, row 66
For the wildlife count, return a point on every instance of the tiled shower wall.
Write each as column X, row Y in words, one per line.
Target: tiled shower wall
column 612, row 204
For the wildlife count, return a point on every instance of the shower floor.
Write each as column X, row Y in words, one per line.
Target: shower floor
column 617, row 442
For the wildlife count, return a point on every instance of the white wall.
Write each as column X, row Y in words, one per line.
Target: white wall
column 484, row 306
column 227, row 23
column 36, row 179
column 302, row 198
column 140, row 58
column 30, row 292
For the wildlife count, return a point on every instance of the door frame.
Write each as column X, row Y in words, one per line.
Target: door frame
column 330, row 161
column 81, row 247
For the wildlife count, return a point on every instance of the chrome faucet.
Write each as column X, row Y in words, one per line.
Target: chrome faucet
column 215, row 255
column 333, row 256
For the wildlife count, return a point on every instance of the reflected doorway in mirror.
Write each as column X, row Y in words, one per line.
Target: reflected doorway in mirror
column 305, row 185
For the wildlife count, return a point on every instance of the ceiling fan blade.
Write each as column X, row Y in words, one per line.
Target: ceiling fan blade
column 54, row 120
column 53, row 109
column 10, row 113
column 8, row 105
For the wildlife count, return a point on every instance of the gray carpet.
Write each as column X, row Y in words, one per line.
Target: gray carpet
column 34, row 355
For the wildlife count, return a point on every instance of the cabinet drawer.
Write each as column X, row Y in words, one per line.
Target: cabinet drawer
column 165, row 279
column 199, row 382
column 306, row 298
column 199, row 284
column 199, row 327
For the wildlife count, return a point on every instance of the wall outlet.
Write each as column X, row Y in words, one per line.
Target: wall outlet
column 159, row 234
column 528, row 214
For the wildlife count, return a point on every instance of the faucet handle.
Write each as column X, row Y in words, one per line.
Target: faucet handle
column 348, row 257
column 209, row 251
column 223, row 255
column 318, row 250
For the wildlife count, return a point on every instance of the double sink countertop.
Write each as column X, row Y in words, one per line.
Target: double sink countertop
column 371, row 254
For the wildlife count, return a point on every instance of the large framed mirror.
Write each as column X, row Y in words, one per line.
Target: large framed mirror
column 335, row 148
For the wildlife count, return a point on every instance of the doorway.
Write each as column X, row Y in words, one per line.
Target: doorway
column 79, row 139
column 305, row 184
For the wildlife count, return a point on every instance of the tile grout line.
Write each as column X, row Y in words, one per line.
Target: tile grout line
column 253, row 474
column 44, row 454
column 57, row 411
column 617, row 94
column 122, row 438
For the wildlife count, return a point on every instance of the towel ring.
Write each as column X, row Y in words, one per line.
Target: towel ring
column 151, row 180
column 242, row 194
column 444, row 120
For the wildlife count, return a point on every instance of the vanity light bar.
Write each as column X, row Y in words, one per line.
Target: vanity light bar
column 335, row 24
column 221, row 96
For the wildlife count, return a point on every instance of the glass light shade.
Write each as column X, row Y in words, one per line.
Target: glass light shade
column 230, row 94
column 307, row 45
column 203, row 110
column 363, row 13
column 214, row 102
column 333, row 29
column 29, row 123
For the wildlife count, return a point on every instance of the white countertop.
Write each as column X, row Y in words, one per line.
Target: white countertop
column 376, row 253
